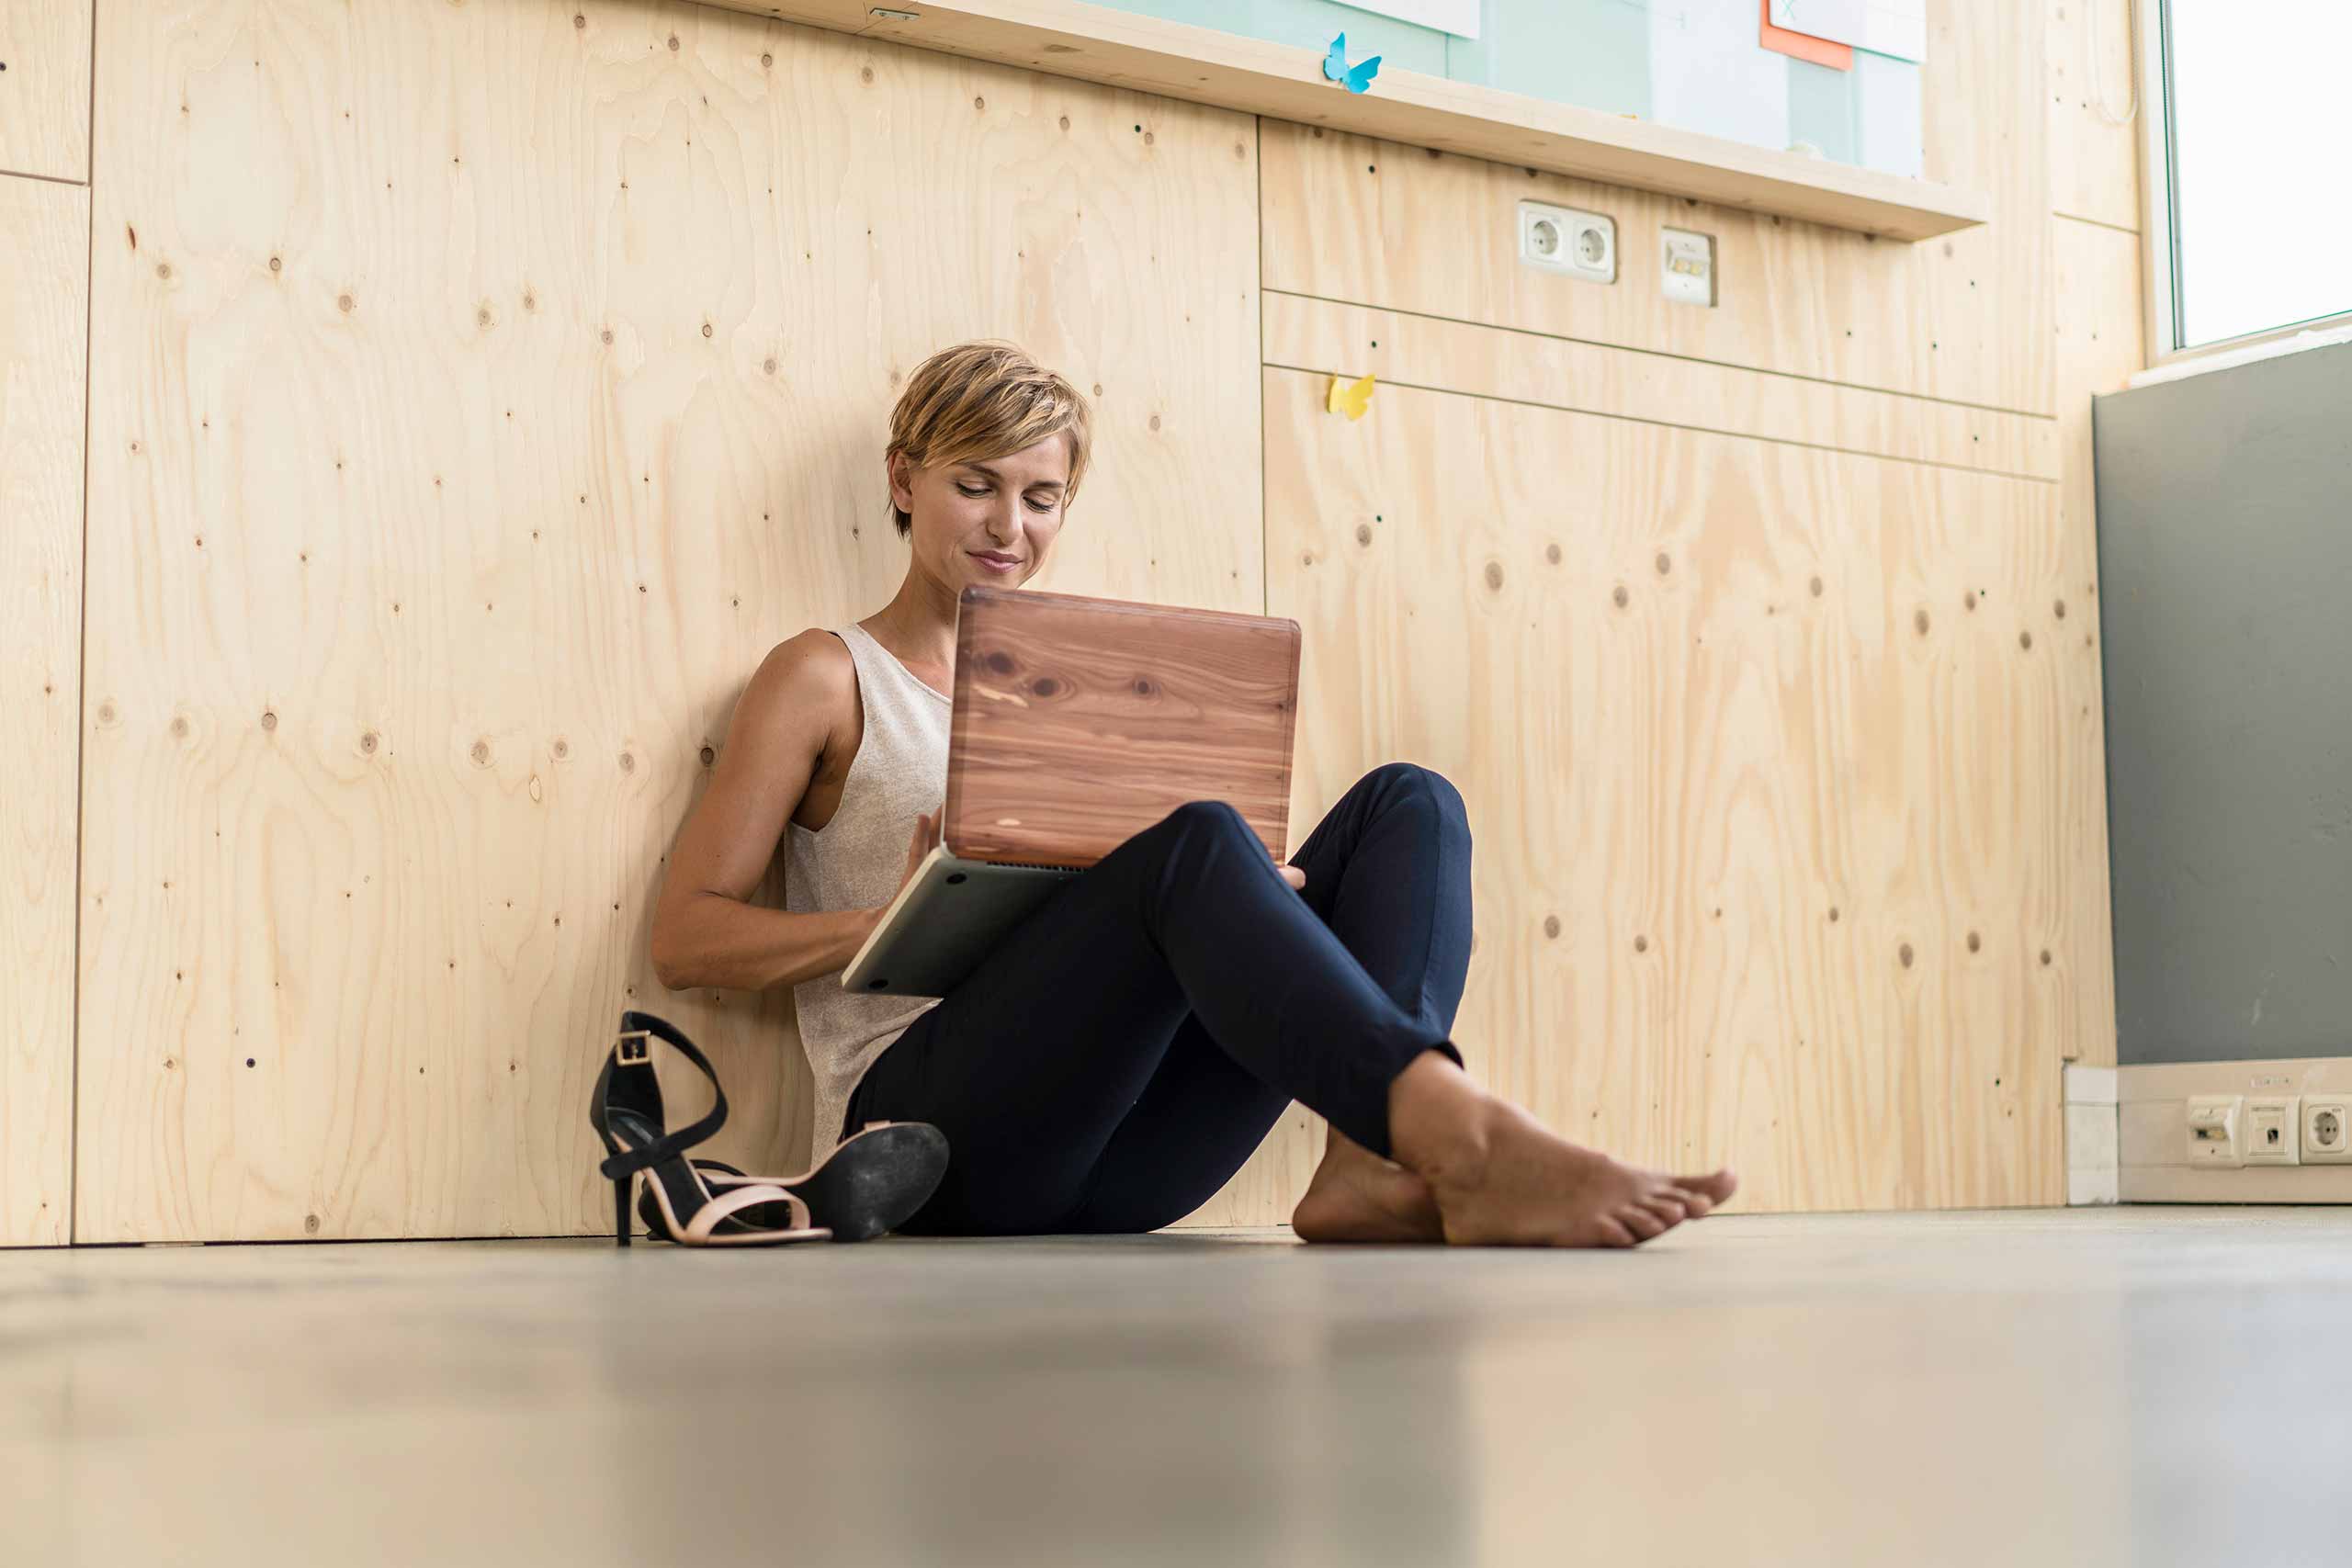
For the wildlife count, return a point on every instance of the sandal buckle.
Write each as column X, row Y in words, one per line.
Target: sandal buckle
column 634, row 1048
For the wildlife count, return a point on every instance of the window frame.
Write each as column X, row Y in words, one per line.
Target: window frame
column 2160, row 241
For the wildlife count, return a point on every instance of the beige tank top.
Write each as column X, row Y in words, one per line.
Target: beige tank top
column 855, row 862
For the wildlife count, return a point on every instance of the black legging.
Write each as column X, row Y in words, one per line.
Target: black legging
column 1125, row 1048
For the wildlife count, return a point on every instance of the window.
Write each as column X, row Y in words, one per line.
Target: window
column 2248, row 231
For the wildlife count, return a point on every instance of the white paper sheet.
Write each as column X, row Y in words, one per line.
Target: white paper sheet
column 1842, row 21
column 1708, row 73
column 1459, row 18
column 1893, row 135
column 1897, row 28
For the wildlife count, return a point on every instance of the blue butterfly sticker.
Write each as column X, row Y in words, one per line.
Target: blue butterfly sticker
column 1336, row 67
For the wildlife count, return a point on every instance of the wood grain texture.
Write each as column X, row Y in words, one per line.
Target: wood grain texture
column 1457, row 356
column 2099, row 329
column 1084, row 721
column 45, row 89
column 1964, row 318
column 44, row 318
column 2099, row 348
column 1096, row 43
column 1770, row 754
column 479, row 392
column 2094, row 162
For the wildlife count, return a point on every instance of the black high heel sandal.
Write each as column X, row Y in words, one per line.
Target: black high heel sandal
column 626, row 1110
column 878, row 1177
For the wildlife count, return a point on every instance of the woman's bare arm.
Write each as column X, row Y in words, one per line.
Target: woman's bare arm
column 705, row 930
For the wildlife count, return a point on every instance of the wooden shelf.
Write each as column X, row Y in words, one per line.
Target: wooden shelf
column 1067, row 37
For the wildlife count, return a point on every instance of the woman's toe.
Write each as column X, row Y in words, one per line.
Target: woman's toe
column 1668, row 1208
column 1695, row 1205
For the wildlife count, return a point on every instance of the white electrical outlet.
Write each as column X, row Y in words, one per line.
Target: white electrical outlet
column 2327, row 1129
column 2260, row 1132
column 2274, row 1127
column 1561, row 238
column 1690, row 275
column 2213, row 1130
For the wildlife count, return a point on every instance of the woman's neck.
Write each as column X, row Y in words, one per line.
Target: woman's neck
column 918, row 625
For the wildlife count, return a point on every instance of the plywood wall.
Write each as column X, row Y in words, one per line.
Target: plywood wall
column 1963, row 319
column 44, row 272
column 479, row 392
column 2097, row 282
column 1758, row 638
column 45, row 89
column 2095, row 126
column 1764, row 873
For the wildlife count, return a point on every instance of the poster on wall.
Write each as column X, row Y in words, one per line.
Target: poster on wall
column 1897, row 28
column 1707, row 74
column 1459, row 18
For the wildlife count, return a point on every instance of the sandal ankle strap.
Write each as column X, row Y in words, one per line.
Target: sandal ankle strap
column 629, row 1054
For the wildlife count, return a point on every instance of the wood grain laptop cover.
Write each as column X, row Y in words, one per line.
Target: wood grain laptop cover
column 1079, row 722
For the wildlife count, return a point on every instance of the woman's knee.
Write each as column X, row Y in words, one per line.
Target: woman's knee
column 1412, row 781
column 1214, row 817
column 1200, row 835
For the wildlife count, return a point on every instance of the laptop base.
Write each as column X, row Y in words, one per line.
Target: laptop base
column 945, row 920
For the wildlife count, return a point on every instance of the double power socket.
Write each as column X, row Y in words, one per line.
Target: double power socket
column 2234, row 1130
column 1584, row 245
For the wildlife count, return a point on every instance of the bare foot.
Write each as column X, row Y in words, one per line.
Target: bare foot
column 1357, row 1196
column 1500, row 1178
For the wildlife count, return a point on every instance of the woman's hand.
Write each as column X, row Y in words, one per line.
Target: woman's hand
column 926, row 834
column 1292, row 876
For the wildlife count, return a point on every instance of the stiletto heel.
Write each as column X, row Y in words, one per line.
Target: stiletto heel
column 626, row 1110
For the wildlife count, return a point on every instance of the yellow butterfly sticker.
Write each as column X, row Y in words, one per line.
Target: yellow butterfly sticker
column 1353, row 399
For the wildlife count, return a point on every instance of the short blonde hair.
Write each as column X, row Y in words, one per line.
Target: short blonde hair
column 979, row 401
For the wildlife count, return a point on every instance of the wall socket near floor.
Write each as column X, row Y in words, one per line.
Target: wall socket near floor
column 2213, row 1127
column 2327, row 1129
column 2269, row 1131
column 2274, row 1128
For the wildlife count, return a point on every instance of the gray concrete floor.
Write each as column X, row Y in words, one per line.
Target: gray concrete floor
column 2134, row 1386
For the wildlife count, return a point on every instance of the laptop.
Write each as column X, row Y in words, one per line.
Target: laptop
column 1077, row 723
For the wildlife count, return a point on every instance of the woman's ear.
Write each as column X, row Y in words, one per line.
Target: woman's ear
column 901, row 474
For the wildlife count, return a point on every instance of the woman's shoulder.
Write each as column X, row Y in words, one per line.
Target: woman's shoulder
column 805, row 675
column 813, row 658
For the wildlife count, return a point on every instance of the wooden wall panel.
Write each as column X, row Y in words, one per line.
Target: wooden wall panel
column 2097, row 289
column 1765, row 750
column 2094, row 161
column 2099, row 348
column 1965, row 318
column 1724, row 620
column 44, row 316
column 1423, row 351
column 479, row 392
column 45, row 89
